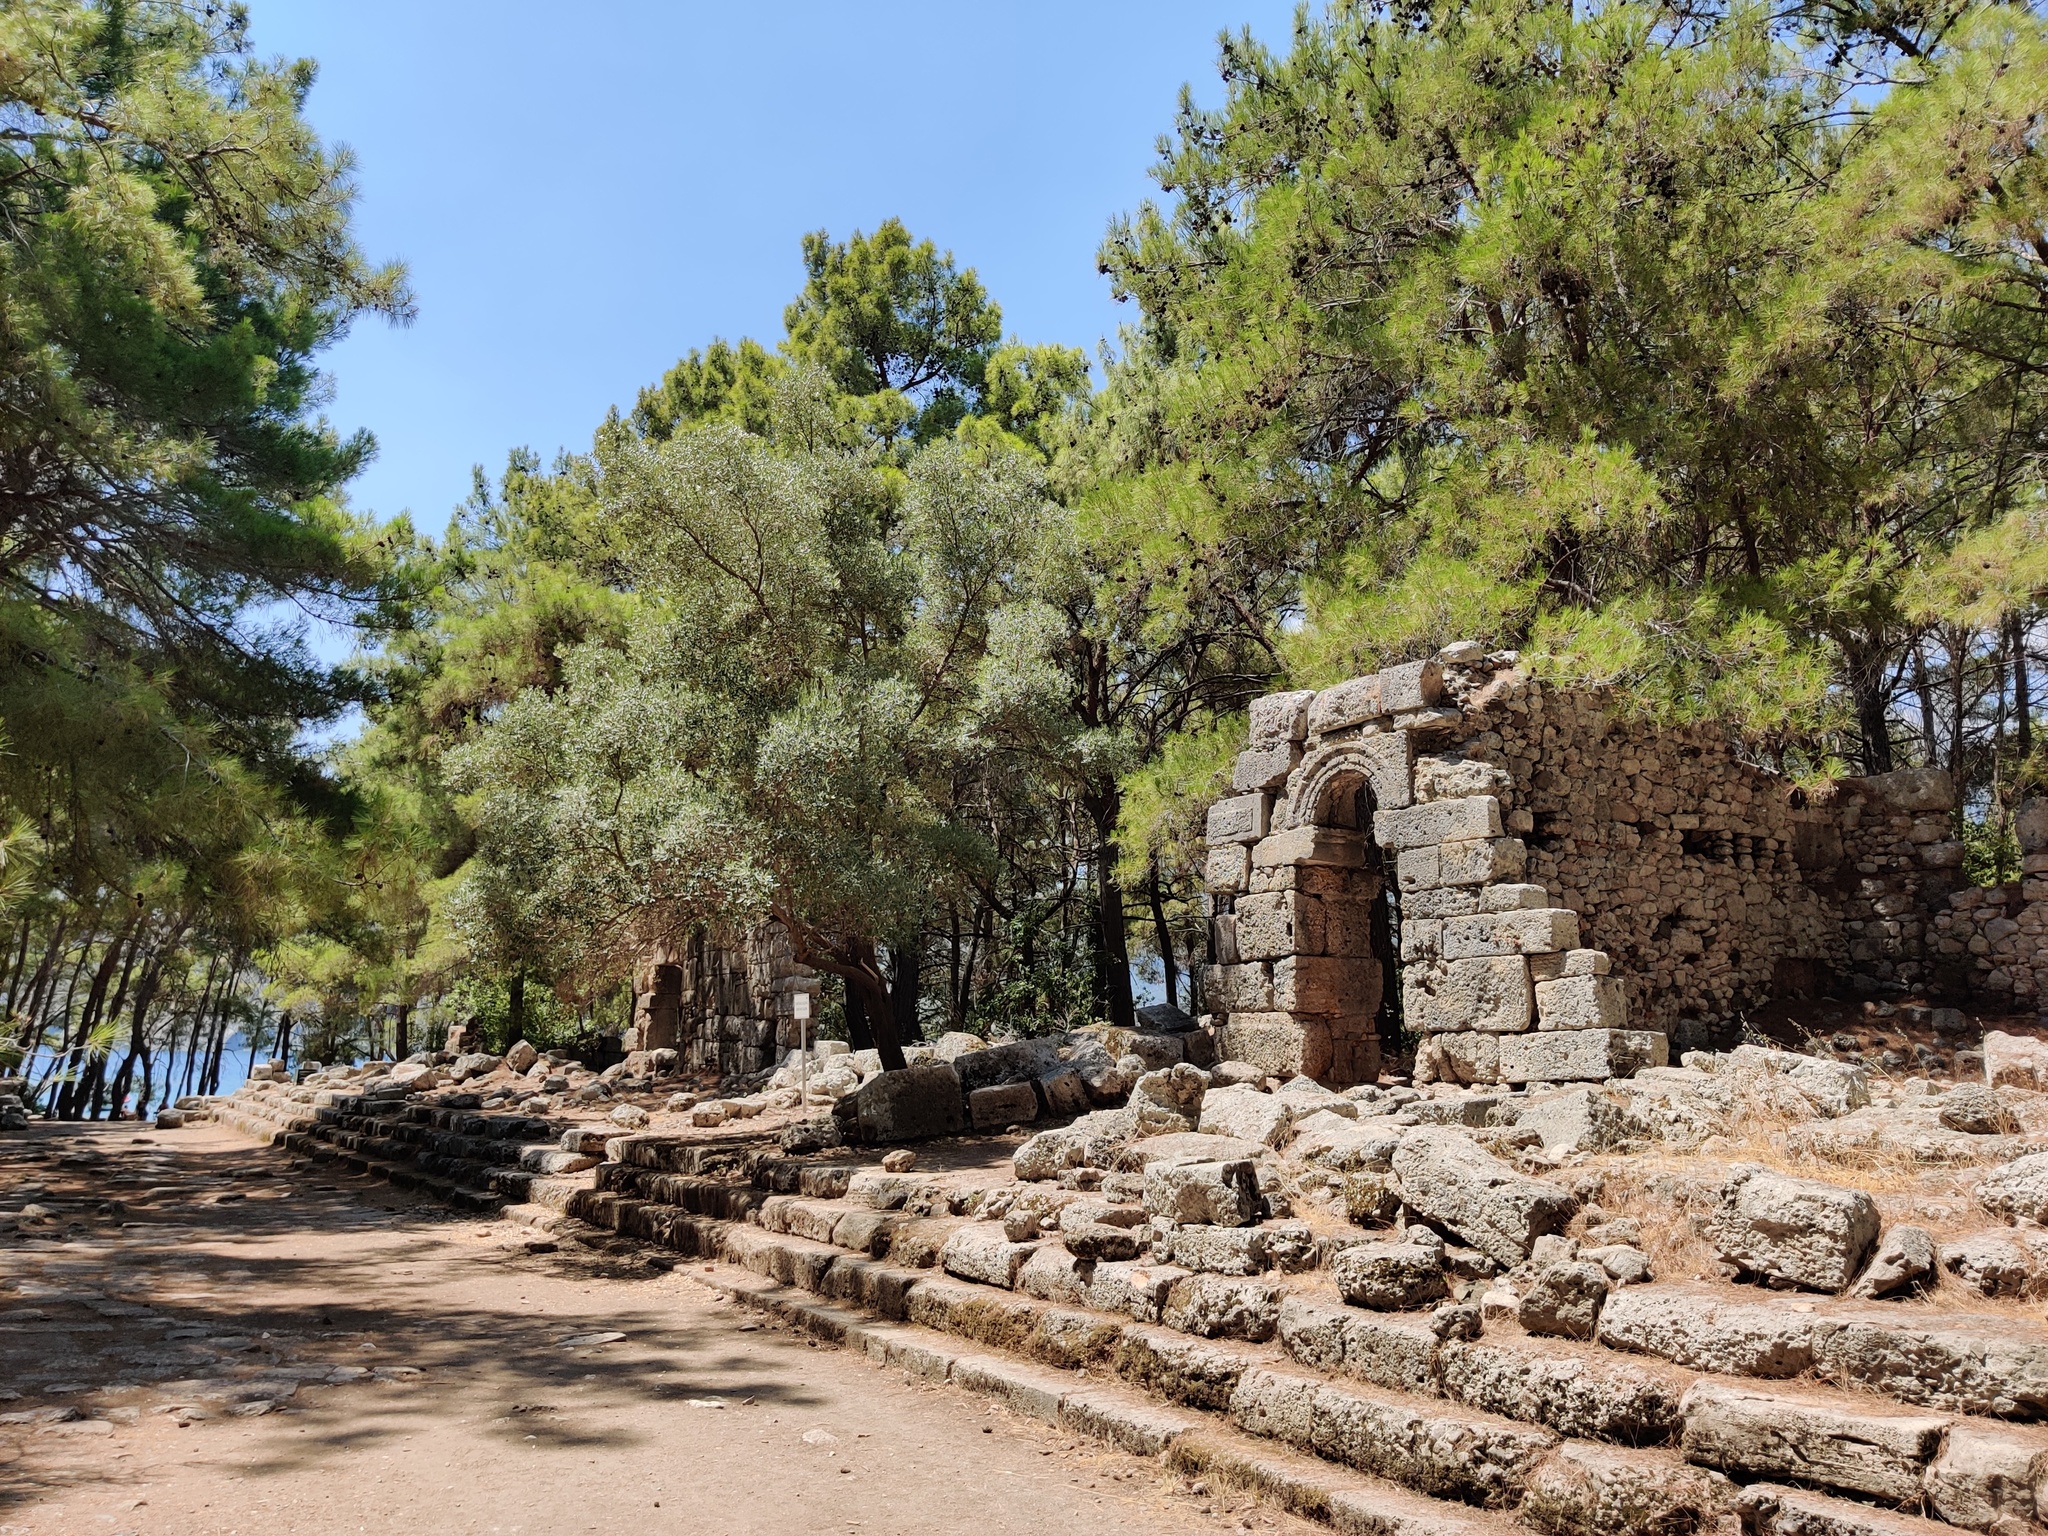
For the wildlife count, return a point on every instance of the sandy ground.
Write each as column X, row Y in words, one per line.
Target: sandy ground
column 466, row 1400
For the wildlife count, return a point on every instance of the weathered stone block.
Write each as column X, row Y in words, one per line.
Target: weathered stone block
column 1280, row 719
column 1858, row 1448
column 1005, row 1104
column 1581, row 1002
column 1349, row 703
column 1456, row 1185
column 1616, row 1492
column 1986, row 1476
column 979, row 1251
column 1278, row 1044
column 1246, row 988
column 1565, row 1299
column 1449, row 776
column 1492, row 995
column 1263, row 768
column 1481, row 860
column 1572, row 962
column 1240, row 819
column 1216, row 1250
column 908, row 1105
column 1413, row 685
column 1267, row 924
column 1580, row 1055
column 1798, row 1230
column 1223, row 1194
column 2018, row 1189
column 1541, row 930
column 1463, row 1057
column 1326, row 984
column 1441, row 821
column 1390, row 1277
column 1228, row 869
column 1223, row 1307
column 1513, row 898
column 1310, row 845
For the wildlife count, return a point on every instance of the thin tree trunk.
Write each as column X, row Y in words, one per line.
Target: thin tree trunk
column 1163, row 937
column 857, row 1033
column 2022, row 689
column 401, row 1032
column 906, row 988
column 1112, row 947
column 1925, row 690
column 69, row 1094
column 516, row 996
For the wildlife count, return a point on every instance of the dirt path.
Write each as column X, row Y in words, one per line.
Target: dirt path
column 200, row 1337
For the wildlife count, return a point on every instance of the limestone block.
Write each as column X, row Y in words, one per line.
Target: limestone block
column 1802, row 1231
column 1617, row 1492
column 1390, row 1277
column 1581, row 1002
column 1310, row 845
column 1398, row 1353
column 1564, row 1300
column 1227, row 870
column 1447, row 901
column 1065, row 1092
column 1904, row 1259
column 1513, row 898
column 1280, row 719
column 1462, row 1057
column 1422, row 939
column 1441, row 821
column 1418, row 869
column 2015, row 1061
column 1988, row 1263
column 1580, row 1055
column 1984, row 1476
column 1857, row 1448
column 1169, row 1099
column 1277, row 1044
column 1583, row 1393
column 1482, row 860
column 1349, row 703
column 1455, row 1184
column 2030, row 826
column 1247, row 1113
column 2018, row 1189
column 1271, row 924
column 1222, row 1307
column 1239, row 988
column 1448, row 776
column 1223, row 1194
column 1005, row 1104
column 1216, row 1250
column 1491, row 994
column 1413, row 685
column 1705, row 1331
column 1535, row 931
column 979, row 1251
column 1240, row 819
column 1572, row 962
column 908, row 1105
column 1263, row 768
column 1326, row 984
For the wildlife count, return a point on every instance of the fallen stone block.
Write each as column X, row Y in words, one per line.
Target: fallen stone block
column 2019, row 1189
column 979, row 1251
column 1767, row 1509
column 1453, row 1184
column 1224, row 1194
column 1804, row 1231
column 1390, row 1277
column 1213, row 1250
column 1582, row 1488
column 1904, row 1259
column 1564, row 1300
column 1246, row 1113
column 1848, row 1446
column 1580, row 1055
column 1006, row 1104
column 910, row 1105
column 1988, row 1263
column 1985, row 1476
column 1220, row 1307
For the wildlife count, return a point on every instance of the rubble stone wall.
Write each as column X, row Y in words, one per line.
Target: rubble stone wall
column 728, row 1008
column 1576, row 889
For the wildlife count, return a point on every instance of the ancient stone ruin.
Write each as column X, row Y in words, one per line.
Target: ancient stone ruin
column 1569, row 895
column 727, row 1009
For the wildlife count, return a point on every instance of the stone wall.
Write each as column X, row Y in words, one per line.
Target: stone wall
column 728, row 1008
column 1575, row 890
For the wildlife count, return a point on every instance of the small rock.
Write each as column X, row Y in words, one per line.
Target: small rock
column 1456, row 1320
column 1904, row 1259
column 900, row 1160
column 678, row 1102
column 1625, row 1263
column 1987, row 1262
column 632, row 1116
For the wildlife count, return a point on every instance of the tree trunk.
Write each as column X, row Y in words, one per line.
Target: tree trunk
column 1163, row 937
column 906, row 988
column 1866, row 669
column 2022, row 688
column 1112, row 947
column 516, row 996
column 1925, row 689
column 857, row 1034
column 401, row 1032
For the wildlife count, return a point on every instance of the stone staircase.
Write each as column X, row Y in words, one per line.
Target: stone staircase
column 1797, row 1416
column 468, row 1160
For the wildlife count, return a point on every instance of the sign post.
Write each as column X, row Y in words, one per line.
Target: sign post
column 802, row 1005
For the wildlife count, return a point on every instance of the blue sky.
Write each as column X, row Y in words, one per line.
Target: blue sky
column 583, row 193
